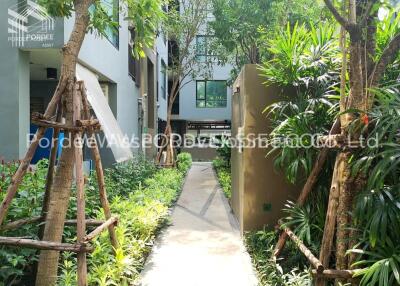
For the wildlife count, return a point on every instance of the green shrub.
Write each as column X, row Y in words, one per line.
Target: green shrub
column 224, row 151
column 288, row 271
column 139, row 194
column 224, row 176
column 141, row 214
column 16, row 263
column 184, row 162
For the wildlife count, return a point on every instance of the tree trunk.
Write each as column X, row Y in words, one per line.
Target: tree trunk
column 168, row 129
column 356, row 100
column 61, row 188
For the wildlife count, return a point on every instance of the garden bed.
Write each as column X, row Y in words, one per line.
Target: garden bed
column 140, row 195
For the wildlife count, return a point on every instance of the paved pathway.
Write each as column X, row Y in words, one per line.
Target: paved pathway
column 202, row 247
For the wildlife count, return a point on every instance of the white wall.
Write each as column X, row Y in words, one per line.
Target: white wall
column 187, row 97
column 187, row 100
column 162, row 49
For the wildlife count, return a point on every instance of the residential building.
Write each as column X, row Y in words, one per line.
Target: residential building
column 203, row 107
column 30, row 68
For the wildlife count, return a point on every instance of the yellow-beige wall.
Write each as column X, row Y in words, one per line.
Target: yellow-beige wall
column 259, row 191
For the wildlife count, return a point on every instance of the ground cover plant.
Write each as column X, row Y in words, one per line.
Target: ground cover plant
column 224, row 176
column 140, row 195
column 222, row 166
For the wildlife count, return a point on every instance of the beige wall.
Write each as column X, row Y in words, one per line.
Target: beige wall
column 259, row 192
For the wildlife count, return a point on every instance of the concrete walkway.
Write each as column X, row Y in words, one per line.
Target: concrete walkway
column 203, row 246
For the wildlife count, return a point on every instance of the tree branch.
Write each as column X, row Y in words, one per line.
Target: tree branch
column 342, row 21
column 388, row 56
column 367, row 12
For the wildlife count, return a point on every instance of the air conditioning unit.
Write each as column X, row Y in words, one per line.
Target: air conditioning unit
column 105, row 89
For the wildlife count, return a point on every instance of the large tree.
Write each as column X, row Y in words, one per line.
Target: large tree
column 185, row 20
column 367, row 63
column 241, row 27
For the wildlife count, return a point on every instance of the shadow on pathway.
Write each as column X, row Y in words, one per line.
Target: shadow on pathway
column 202, row 247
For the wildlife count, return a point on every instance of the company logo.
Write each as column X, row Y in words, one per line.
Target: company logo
column 29, row 22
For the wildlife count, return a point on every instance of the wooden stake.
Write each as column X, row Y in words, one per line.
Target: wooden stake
column 18, row 223
column 308, row 254
column 44, row 245
column 80, row 190
column 19, row 174
column 99, row 171
column 334, row 274
column 89, row 222
column 50, row 171
column 309, row 185
column 330, row 225
column 100, row 229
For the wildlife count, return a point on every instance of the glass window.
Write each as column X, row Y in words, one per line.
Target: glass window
column 203, row 49
column 211, row 94
column 111, row 7
column 163, row 79
column 201, row 90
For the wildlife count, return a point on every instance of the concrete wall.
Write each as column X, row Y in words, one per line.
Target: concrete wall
column 259, row 192
column 14, row 93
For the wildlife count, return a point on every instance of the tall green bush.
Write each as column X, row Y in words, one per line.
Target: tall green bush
column 184, row 161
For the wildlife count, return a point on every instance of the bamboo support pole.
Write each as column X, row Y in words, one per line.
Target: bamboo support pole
column 50, row 171
column 54, row 124
column 334, row 274
column 99, row 171
column 330, row 221
column 330, row 225
column 88, row 123
column 21, row 222
column 309, row 185
column 88, row 222
column 100, row 229
column 308, row 254
column 44, row 245
column 80, row 189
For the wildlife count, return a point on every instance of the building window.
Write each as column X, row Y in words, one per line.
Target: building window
column 211, row 94
column 111, row 7
column 163, row 79
column 203, row 50
column 133, row 63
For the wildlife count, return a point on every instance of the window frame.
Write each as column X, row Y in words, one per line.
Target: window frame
column 206, row 55
column 116, row 18
column 163, row 79
column 205, row 95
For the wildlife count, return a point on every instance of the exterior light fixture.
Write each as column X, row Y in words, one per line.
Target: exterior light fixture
column 51, row 73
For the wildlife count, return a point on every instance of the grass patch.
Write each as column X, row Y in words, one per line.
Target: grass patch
column 223, row 171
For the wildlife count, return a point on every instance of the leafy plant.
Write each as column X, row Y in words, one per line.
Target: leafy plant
column 224, row 176
column 16, row 265
column 288, row 271
column 184, row 161
column 382, row 265
column 305, row 65
column 139, row 194
column 224, row 151
column 142, row 210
